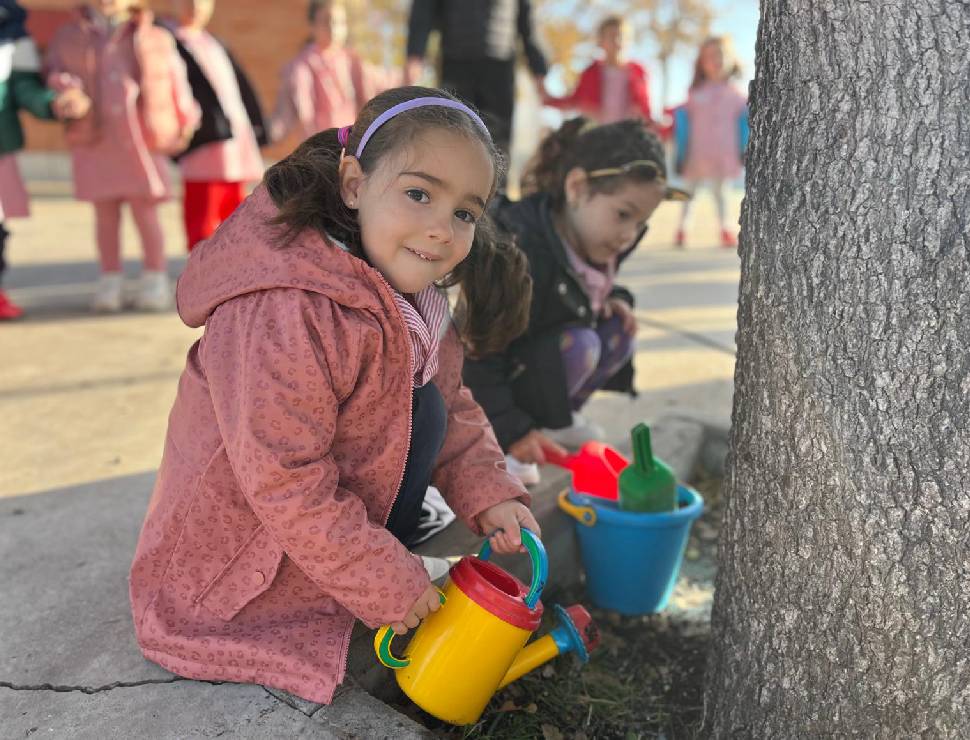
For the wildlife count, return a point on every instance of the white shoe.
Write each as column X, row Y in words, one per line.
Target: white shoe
column 577, row 434
column 437, row 568
column 435, row 516
column 528, row 473
column 155, row 292
column 107, row 296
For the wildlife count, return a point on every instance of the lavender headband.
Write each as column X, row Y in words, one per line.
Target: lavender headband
column 343, row 135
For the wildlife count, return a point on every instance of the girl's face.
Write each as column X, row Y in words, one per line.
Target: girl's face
column 112, row 8
column 418, row 209
column 329, row 26
column 193, row 13
column 712, row 61
column 612, row 41
column 602, row 225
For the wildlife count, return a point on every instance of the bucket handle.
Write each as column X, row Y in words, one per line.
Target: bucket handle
column 382, row 643
column 585, row 515
column 540, row 564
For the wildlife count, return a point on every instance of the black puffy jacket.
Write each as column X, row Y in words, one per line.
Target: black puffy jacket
column 524, row 388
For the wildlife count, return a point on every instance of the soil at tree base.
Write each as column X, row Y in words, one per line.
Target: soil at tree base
column 646, row 680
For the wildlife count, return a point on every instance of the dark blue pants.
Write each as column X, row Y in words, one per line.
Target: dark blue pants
column 429, row 421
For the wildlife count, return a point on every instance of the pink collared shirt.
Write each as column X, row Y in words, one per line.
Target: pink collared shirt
column 597, row 282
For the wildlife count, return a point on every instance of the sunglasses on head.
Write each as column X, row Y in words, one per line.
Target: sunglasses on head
column 647, row 166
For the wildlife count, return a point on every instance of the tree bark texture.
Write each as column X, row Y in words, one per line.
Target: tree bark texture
column 842, row 605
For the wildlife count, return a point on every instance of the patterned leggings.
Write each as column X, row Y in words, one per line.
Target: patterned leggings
column 592, row 356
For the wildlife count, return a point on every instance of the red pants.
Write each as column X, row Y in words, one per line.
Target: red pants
column 205, row 205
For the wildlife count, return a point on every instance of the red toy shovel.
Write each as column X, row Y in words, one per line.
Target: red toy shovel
column 595, row 469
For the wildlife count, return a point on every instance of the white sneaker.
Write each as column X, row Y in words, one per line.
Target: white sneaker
column 155, row 292
column 528, row 473
column 437, row 568
column 107, row 296
column 435, row 516
column 577, row 434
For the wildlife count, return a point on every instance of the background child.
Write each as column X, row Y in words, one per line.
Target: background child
column 223, row 154
column 142, row 111
column 324, row 85
column 21, row 89
column 323, row 396
column 593, row 190
column 612, row 88
column 711, row 131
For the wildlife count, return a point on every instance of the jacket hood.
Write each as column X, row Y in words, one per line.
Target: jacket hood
column 245, row 255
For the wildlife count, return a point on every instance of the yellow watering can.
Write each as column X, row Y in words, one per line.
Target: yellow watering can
column 475, row 643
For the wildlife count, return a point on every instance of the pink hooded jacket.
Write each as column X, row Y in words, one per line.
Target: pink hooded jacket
column 286, row 446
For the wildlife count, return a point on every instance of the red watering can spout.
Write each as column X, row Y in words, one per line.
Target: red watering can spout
column 595, row 468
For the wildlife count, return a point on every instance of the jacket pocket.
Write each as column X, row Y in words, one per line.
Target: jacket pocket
column 248, row 574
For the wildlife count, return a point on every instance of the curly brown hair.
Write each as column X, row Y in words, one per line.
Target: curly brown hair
column 579, row 142
column 494, row 287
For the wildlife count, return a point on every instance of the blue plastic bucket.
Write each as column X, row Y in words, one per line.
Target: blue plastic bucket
column 632, row 560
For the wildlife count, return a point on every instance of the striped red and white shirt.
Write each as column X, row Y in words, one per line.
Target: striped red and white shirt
column 427, row 322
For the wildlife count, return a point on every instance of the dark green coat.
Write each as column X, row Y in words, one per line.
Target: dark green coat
column 22, row 91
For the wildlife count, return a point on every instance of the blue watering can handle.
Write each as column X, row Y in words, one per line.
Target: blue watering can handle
column 540, row 564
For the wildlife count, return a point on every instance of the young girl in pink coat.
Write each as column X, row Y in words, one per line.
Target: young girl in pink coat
column 223, row 156
column 142, row 111
column 324, row 396
column 326, row 84
column 711, row 132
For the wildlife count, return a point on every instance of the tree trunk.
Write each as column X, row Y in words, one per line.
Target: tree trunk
column 843, row 599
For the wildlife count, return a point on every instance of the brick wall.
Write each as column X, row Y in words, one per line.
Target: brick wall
column 262, row 40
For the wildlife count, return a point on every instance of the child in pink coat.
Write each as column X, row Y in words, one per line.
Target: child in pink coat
column 142, row 111
column 223, row 156
column 326, row 84
column 711, row 132
column 324, row 396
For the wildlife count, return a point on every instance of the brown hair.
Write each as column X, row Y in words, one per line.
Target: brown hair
column 609, row 22
column 581, row 143
column 305, row 186
column 316, row 6
column 731, row 66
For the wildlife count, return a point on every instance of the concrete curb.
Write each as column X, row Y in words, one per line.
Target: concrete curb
column 70, row 666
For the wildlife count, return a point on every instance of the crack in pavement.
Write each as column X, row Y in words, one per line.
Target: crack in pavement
column 688, row 334
column 95, row 689
column 284, row 699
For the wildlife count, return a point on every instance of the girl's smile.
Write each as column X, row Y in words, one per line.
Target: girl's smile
column 423, row 255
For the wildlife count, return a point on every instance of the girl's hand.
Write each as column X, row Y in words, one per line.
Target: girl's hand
column 427, row 602
column 71, row 104
column 533, row 446
column 617, row 307
column 502, row 522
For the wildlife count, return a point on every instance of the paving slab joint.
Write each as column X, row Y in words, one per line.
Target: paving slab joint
column 93, row 689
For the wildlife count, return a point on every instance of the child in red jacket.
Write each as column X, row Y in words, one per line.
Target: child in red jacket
column 613, row 88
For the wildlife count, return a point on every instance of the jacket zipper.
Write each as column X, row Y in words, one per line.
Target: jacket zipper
column 410, row 380
column 345, row 650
